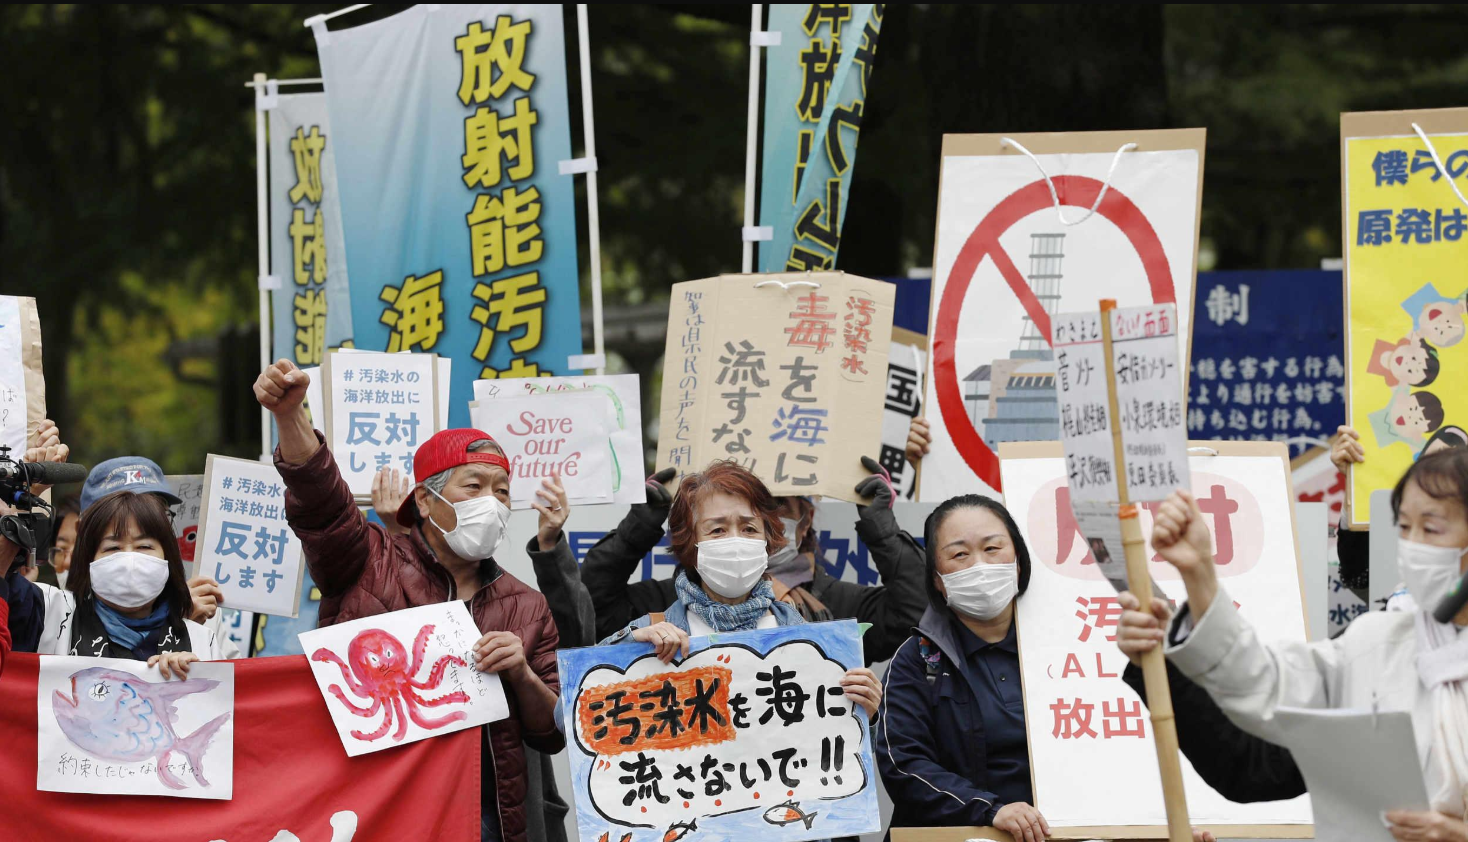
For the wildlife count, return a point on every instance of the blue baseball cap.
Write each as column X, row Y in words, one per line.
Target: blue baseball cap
column 126, row 473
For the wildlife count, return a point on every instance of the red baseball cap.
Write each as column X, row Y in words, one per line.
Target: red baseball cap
column 442, row 451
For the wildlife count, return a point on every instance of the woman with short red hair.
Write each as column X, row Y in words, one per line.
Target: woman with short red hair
column 723, row 526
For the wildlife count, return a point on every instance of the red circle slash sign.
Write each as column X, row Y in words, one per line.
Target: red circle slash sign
column 1073, row 190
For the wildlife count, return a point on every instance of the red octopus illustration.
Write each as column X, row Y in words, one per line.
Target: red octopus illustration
column 384, row 677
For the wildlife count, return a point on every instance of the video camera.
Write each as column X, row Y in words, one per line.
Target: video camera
column 30, row 528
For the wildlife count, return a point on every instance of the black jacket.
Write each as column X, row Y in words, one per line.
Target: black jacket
column 1242, row 767
column 893, row 607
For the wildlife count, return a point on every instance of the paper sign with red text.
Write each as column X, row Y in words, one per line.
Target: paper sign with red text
column 561, row 434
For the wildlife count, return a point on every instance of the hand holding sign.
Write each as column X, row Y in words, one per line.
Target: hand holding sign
column 281, row 388
column 554, row 508
column 1137, row 632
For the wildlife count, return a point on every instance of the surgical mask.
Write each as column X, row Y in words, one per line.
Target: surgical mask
column 1428, row 571
column 786, row 563
column 731, row 567
column 129, row 580
column 481, row 526
column 982, row 591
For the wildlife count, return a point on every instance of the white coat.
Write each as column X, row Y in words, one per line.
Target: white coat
column 56, row 630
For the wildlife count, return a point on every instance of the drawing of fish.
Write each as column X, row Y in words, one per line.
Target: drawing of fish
column 678, row 830
column 117, row 716
column 789, row 813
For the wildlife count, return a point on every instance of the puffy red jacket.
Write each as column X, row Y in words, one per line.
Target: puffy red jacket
column 363, row 571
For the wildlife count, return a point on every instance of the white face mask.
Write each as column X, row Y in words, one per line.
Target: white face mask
column 480, row 529
column 731, row 567
column 1428, row 571
column 982, row 591
column 128, row 580
column 785, row 559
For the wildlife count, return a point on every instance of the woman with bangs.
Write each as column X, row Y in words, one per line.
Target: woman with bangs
column 127, row 595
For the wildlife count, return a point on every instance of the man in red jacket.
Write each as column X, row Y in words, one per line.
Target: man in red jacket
column 456, row 520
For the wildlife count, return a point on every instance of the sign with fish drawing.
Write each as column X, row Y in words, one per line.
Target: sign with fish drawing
column 750, row 736
column 106, row 725
column 403, row 676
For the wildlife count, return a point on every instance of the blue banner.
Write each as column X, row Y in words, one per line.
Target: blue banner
column 1267, row 357
column 824, row 59
column 461, row 233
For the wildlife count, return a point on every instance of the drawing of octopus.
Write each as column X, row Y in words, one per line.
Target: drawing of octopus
column 381, row 674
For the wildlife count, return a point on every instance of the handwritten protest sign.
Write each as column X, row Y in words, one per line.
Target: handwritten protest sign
column 749, row 735
column 1149, row 398
column 190, row 489
column 563, row 434
column 403, row 676
column 779, row 373
column 107, row 725
column 1078, row 714
column 624, row 418
column 903, row 403
column 378, row 408
column 246, row 546
column 22, row 387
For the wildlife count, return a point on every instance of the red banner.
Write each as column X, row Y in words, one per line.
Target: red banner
column 290, row 774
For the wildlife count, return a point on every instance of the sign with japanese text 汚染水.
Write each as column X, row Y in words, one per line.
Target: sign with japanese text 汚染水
column 378, row 408
column 244, row 542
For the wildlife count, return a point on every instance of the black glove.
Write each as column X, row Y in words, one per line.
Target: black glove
column 878, row 486
column 659, row 498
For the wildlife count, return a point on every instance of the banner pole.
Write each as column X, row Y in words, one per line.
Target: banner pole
column 593, row 210
column 1154, row 665
column 751, row 141
column 261, row 201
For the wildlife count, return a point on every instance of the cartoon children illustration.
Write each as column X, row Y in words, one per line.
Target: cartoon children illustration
column 1436, row 318
column 1409, row 418
column 1413, row 362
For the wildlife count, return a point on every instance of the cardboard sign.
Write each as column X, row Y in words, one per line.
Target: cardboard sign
column 1005, row 263
column 1149, row 398
column 749, row 736
column 781, row 373
column 1406, row 291
column 561, row 434
column 109, row 725
column 403, row 676
column 1078, row 714
column 378, row 409
column 624, row 419
column 247, row 546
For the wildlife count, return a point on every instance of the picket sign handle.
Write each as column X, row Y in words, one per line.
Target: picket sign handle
column 1154, row 665
column 262, row 206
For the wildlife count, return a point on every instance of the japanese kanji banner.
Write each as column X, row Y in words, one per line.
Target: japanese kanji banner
column 1406, row 288
column 1078, row 713
column 1017, row 242
column 451, row 122
column 1268, row 354
column 750, row 736
column 815, row 94
column 291, row 778
column 782, row 373
column 244, row 542
column 312, row 307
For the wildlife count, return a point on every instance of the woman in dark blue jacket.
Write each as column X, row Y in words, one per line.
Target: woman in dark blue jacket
column 950, row 740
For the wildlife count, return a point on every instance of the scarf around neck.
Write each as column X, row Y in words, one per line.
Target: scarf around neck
column 720, row 616
column 1442, row 667
column 100, row 632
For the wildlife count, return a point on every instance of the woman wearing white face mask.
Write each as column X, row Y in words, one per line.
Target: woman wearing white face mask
column 950, row 740
column 127, row 595
column 724, row 525
column 1391, row 661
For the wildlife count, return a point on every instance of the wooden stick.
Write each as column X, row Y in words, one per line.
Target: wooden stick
column 1154, row 667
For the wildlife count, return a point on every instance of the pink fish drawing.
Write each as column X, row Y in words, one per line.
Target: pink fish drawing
column 117, row 716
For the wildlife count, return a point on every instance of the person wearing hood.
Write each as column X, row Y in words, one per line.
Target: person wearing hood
column 456, row 521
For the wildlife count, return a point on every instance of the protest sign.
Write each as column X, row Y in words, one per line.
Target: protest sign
column 291, row 779
column 749, row 735
column 190, row 489
column 312, row 305
column 1078, row 715
column 1406, row 293
column 780, row 373
column 462, row 229
column 109, row 725
column 247, row 546
column 22, row 385
column 903, row 402
column 1267, row 357
column 1316, row 480
column 991, row 366
column 408, row 672
column 378, row 409
column 561, row 434
column 623, row 396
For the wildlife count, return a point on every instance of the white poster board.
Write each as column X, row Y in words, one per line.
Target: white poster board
column 1317, row 481
column 12, row 378
column 624, row 395
column 245, row 543
column 1005, row 263
column 403, row 676
column 108, row 725
column 1079, row 715
column 906, row 362
column 190, row 489
column 562, row 434
column 378, row 409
